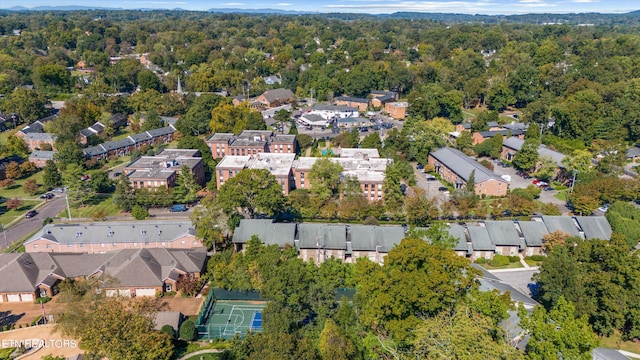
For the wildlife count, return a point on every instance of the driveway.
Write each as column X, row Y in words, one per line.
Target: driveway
column 430, row 187
column 519, row 278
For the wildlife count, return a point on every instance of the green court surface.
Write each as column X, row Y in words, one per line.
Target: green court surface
column 226, row 319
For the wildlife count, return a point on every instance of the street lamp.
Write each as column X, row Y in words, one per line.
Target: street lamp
column 573, row 182
column 4, row 232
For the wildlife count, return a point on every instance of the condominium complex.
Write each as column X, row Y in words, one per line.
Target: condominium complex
column 251, row 142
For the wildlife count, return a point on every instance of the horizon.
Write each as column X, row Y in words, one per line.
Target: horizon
column 374, row 7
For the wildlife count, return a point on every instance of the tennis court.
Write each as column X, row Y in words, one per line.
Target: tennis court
column 226, row 319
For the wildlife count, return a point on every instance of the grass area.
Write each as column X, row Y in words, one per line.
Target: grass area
column 6, row 353
column 18, row 246
column 7, row 216
column 513, row 265
column 4, row 136
column 15, row 190
column 562, row 195
column 87, row 211
column 183, row 349
column 532, row 262
column 615, row 342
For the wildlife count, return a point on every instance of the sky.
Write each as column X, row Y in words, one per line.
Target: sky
column 491, row 7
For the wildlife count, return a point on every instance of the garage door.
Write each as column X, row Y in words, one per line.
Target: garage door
column 13, row 298
column 111, row 293
column 146, row 292
column 124, row 292
column 26, row 297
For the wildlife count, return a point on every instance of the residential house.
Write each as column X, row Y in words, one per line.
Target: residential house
column 269, row 232
column 39, row 157
column 101, row 237
column 162, row 170
column 276, row 97
column 129, row 272
column 474, row 240
column 93, row 130
column 352, row 122
column 360, row 103
column 512, row 145
column 313, row 120
column 381, row 98
column 319, row 242
column 456, row 168
column 374, row 242
column 37, row 126
column 134, row 142
column 397, row 110
column 272, row 80
column 35, row 141
column 481, row 136
column 633, row 153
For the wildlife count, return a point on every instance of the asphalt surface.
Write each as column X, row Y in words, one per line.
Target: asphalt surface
column 26, row 226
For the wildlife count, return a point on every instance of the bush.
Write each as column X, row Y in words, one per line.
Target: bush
column 188, row 330
column 481, row 261
column 43, row 300
column 536, row 257
column 499, row 260
column 168, row 329
column 139, row 212
column 514, row 259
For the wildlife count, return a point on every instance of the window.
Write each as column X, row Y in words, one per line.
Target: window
column 115, row 244
column 167, row 287
column 182, row 242
column 102, row 245
column 81, row 245
column 35, row 246
column 68, row 246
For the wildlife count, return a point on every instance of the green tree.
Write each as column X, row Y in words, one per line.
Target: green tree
column 16, row 146
column 186, row 189
column 229, row 118
column 527, row 158
column 417, row 280
column 139, row 212
column 188, row 330
column 372, row 141
column 281, row 118
column 51, row 176
column 119, row 328
column 419, row 210
column 208, row 220
column 151, row 121
column 123, row 196
column 557, row 333
column 30, row 187
column 460, row 334
column 148, row 80
column 251, row 192
column 196, row 121
column 29, row 105
column 324, row 177
column 333, row 344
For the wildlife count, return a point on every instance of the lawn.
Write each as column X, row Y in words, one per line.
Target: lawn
column 7, row 216
column 15, row 190
column 615, row 342
column 210, row 356
column 561, row 195
column 87, row 211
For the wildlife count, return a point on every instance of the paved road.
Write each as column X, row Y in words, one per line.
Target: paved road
column 26, row 226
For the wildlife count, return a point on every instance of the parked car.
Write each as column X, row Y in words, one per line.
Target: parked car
column 419, row 167
column 443, row 189
column 178, row 208
column 84, row 177
column 431, row 178
column 30, row 214
column 47, row 196
column 604, row 208
column 58, row 190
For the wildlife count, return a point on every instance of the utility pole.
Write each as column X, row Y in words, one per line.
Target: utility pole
column 4, row 232
column 573, row 182
column 66, row 196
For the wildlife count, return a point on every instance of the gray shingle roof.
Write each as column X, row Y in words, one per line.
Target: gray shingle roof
column 516, row 144
column 352, row 99
column 370, row 237
column 504, row 233
column 561, row 223
column 39, row 137
column 533, row 231
column 40, row 154
column 161, row 131
column 115, row 232
column 633, row 152
column 480, row 238
column 457, row 231
column 269, row 232
column 595, row 227
column 278, row 94
column 463, row 165
column 325, row 236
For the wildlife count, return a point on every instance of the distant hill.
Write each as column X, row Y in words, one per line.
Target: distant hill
column 259, row 11
column 630, row 18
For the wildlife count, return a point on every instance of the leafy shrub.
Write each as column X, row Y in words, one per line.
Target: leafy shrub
column 188, row 330
column 499, row 260
column 536, row 257
column 481, row 261
column 139, row 212
column 514, row 259
column 43, row 300
column 168, row 329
